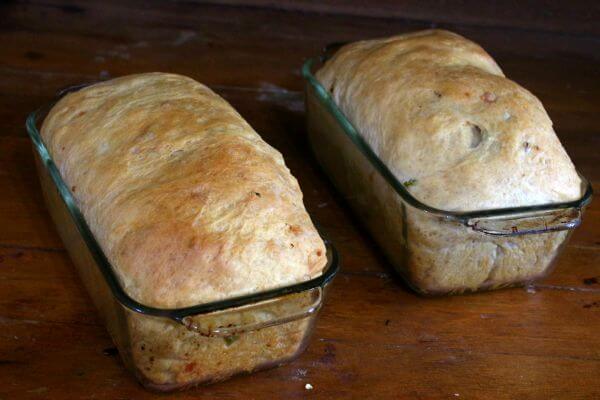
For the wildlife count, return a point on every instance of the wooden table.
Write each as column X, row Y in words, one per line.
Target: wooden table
column 375, row 339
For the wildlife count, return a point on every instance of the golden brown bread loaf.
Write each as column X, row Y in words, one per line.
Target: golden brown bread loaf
column 438, row 111
column 188, row 203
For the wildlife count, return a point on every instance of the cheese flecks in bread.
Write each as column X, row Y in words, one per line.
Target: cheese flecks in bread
column 189, row 204
column 438, row 111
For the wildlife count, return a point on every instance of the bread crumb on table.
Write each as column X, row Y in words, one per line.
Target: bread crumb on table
column 308, row 386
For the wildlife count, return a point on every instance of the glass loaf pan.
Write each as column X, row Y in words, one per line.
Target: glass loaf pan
column 435, row 251
column 170, row 349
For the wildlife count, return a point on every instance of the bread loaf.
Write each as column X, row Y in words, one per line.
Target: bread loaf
column 439, row 113
column 188, row 203
column 190, row 206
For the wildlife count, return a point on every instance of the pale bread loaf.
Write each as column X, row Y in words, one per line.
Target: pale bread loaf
column 438, row 111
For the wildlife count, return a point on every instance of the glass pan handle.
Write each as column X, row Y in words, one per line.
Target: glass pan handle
column 547, row 221
column 257, row 316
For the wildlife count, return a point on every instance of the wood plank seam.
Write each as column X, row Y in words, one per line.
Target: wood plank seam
column 433, row 23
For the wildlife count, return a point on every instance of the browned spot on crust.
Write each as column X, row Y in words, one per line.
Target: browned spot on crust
column 489, row 97
column 295, row 229
column 190, row 367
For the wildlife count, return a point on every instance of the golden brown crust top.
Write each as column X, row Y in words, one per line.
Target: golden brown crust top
column 189, row 204
column 439, row 112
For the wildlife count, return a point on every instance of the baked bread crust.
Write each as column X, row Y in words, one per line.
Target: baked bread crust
column 438, row 111
column 188, row 203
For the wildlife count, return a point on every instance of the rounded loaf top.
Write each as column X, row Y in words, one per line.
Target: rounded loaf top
column 188, row 203
column 438, row 111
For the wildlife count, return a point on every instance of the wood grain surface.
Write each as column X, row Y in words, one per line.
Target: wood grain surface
column 374, row 338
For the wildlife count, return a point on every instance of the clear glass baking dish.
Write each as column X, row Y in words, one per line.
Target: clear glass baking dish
column 436, row 251
column 170, row 349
